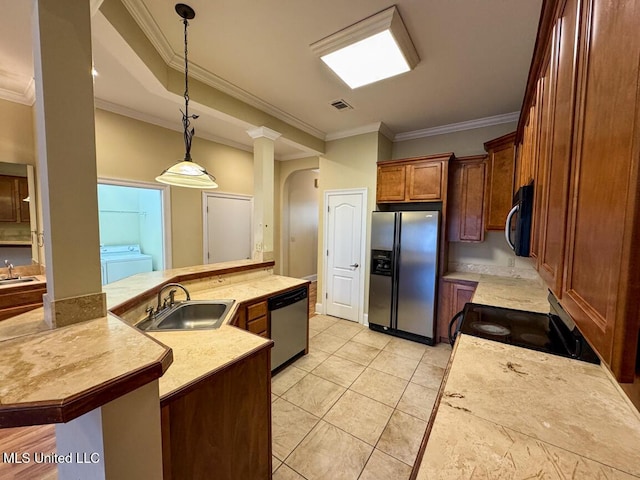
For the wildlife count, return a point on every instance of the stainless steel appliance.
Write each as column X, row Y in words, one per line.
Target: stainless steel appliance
column 522, row 211
column 404, row 266
column 289, row 318
column 553, row 333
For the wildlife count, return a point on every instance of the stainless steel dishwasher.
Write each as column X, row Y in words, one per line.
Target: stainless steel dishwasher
column 289, row 319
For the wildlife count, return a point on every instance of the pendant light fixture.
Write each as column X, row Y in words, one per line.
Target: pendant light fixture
column 187, row 173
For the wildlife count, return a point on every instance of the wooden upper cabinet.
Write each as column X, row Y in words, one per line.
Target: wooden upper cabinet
column 466, row 199
column 23, row 192
column 499, row 183
column 8, row 212
column 424, row 181
column 585, row 81
column 601, row 288
column 420, row 179
column 13, row 190
column 391, row 183
column 562, row 91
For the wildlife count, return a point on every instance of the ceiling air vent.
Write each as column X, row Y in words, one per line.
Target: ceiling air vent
column 341, row 105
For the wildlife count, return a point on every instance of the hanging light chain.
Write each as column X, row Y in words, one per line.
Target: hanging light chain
column 186, row 118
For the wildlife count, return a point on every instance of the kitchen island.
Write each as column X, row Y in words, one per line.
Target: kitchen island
column 211, row 373
column 509, row 412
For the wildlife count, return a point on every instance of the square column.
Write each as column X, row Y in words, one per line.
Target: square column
column 263, row 191
column 121, row 440
column 67, row 160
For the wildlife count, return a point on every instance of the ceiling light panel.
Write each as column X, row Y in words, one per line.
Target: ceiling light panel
column 376, row 48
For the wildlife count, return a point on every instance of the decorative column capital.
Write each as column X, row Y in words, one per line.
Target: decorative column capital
column 266, row 132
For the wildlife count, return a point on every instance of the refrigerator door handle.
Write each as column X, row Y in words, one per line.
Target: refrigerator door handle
column 507, row 227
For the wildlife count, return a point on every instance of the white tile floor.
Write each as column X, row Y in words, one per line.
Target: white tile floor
column 356, row 407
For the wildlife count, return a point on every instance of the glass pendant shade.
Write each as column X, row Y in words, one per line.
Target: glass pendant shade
column 187, row 174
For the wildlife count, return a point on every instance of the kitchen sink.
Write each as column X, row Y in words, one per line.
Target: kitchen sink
column 11, row 281
column 189, row 315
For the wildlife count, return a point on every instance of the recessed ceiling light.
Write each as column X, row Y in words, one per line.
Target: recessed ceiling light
column 94, row 72
column 373, row 49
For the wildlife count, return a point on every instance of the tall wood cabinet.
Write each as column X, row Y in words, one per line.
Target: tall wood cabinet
column 585, row 81
column 13, row 190
column 499, row 182
column 465, row 221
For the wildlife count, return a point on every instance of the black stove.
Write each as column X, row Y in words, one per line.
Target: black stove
column 536, row 331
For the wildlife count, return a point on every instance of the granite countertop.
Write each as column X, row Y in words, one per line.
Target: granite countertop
column 510, row 412
column 510, row 292
column 197, row 354
column 56, row 375
column 200, row 353
column 39, row 364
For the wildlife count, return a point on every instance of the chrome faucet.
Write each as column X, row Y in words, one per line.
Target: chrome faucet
column 10, row 267
column 169, row 301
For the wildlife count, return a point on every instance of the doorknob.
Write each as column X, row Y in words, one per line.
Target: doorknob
column 355, row 265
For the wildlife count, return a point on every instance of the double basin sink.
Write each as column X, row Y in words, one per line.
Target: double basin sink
column 189, row 315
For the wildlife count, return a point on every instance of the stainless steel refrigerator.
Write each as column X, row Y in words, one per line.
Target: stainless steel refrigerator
column 404, row 266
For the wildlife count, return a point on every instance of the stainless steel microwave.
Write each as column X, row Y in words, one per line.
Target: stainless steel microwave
column 518, row 225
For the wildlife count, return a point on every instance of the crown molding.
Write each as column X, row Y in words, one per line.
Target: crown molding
column 145, row 21
column 369, row 128
column 266, row 132
column 160, row 122
column 296, row 156
column 458, row 127
column 17, row 89
column 205, row 76
column 95, row 6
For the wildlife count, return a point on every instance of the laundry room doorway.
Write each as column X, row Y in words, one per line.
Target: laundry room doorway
column 134, row 221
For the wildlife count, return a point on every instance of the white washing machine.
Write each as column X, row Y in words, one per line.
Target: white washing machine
column 121, row 261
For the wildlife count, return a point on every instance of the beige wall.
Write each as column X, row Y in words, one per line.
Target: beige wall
column 17, row 140
column 282, row 171
column 132, row 150
column 467, row 142
column 349, row 163
column 494, row 250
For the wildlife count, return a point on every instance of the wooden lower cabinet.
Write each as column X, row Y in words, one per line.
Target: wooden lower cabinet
column 220, row 427
column 452, row 297
column 17, row 300
column 253, row 317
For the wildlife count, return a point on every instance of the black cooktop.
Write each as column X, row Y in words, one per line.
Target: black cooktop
column 536, row 331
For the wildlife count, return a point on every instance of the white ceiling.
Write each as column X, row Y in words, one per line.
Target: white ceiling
column 475, row 56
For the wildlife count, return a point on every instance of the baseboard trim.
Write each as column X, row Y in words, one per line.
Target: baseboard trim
column 365, row 319
column 319, row 308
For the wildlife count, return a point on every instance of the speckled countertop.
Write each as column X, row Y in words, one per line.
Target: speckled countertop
column 38, row 364
column 509, row 292
column 41, row 373
column 197, row 354
column 509, row 412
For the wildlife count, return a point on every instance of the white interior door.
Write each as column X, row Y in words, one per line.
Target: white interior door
column 345, row 233
column 227, row 227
